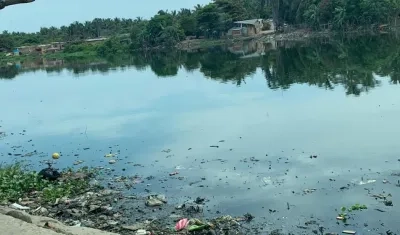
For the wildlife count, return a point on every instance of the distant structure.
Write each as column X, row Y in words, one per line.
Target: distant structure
column 16, row 52
column 246, row 28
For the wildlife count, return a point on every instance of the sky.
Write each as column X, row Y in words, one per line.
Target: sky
column 45, row 13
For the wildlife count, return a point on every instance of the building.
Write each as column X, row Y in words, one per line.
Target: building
column 246, row 28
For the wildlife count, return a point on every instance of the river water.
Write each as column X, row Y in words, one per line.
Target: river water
column 268, row 108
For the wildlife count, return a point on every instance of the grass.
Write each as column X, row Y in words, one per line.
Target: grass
column 16, row 181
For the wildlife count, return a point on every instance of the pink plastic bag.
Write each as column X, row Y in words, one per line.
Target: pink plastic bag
column 182, row 224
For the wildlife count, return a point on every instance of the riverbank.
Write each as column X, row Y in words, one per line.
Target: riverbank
column 95, row 201
column 77, row 199
column 91, row 55
column 85, row 52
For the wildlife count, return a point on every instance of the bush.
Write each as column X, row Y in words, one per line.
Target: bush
column 80, row 47
column 111, row 47
column 17, row 182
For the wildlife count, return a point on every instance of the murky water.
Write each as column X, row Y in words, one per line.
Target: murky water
column 267, row 114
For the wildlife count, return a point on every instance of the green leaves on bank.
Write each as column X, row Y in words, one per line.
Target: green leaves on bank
column 16, row 181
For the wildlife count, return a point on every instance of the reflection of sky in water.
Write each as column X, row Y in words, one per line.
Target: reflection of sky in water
column 140, row 115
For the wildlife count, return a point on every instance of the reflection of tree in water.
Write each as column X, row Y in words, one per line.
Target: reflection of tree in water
column 8, row 72
column 350, row 63
column 224, row 66
column 165, row 64
column 2, row 135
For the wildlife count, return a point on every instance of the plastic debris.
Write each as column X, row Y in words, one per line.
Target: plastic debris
column 141, row 232
column 112, row 161
column 349, row 232
column 385, row 181
column 173, row 173
column 110, row 155
column 198, row 227
column 309, row 190
column 78, row 162
column 55, row 156
column 19, row 207
column 267, row 180
column 366, row 182
column 182, row 224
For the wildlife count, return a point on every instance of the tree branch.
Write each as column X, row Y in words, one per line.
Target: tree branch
column 6, row 3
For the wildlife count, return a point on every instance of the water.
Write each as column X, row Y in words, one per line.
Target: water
column 267, row 114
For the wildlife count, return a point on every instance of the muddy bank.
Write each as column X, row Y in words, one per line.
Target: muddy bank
column 99, row 207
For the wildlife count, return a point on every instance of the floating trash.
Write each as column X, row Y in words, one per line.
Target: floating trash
column 267, row 180
column 55, row 156
column 110, row 155
column 78, row 162
column 182, row 224
column 366, row 182
column 349, row 232
column 309, row 190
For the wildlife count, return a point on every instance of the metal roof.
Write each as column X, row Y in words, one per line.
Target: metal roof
column 252, row 22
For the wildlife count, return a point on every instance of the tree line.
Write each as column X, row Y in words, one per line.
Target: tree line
column 338, row 13
column 167, row 28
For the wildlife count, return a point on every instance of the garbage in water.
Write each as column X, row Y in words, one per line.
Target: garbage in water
column 182, row 224
column 267, row 180
column 385, row 181
column 55, row 156
column 309, row 190
column 366, row 182
column 156, row 200
column 173, row 173
column 349, row 232
column 78, row 162
column 110, row 155
column 112, row 161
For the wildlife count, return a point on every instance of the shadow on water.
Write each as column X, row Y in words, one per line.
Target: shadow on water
column 350, row 63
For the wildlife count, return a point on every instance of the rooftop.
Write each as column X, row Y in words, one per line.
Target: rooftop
column 252, row 22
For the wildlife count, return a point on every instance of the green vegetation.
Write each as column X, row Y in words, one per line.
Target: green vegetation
column 348, row 62
column 338, row 13
column 77, row 51
column 167, row 28
column 16, row 181
column 356, row 207
column 74, row 32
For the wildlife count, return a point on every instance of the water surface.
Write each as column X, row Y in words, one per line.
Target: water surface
column 267, row 112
